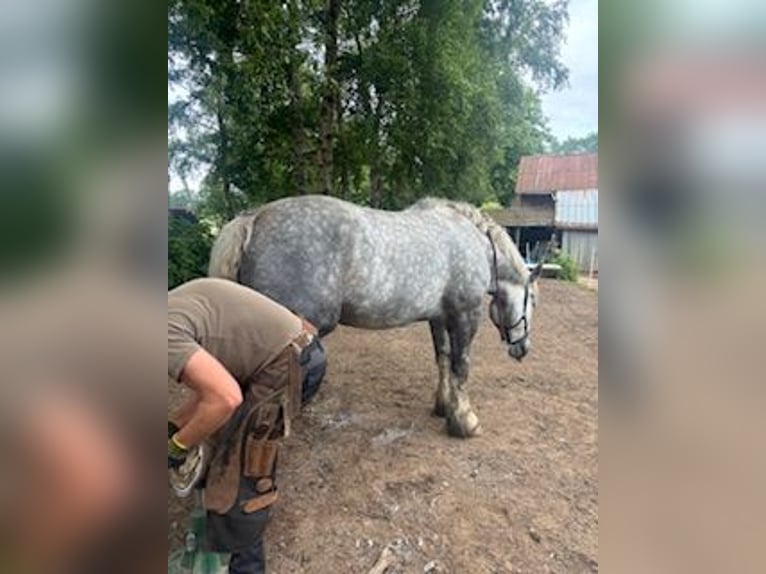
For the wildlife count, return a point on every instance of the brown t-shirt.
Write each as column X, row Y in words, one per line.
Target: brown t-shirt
column 241, row 328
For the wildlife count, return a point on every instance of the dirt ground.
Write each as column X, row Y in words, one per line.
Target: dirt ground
column 368, row 467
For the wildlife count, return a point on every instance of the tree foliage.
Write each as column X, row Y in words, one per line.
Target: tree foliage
column 189, row 244
column 585, row 144
column 376, row 102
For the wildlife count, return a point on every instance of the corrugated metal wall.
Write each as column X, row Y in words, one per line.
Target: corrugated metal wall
column 577, row 208
column 581, row 246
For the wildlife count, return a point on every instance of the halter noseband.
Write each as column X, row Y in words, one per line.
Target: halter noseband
column 505, row 330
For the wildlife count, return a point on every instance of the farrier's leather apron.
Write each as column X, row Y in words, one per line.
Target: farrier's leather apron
column 242, row 470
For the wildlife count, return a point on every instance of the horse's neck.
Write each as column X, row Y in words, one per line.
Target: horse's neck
column 505, row 261
column 510, row 265
column 502, row 266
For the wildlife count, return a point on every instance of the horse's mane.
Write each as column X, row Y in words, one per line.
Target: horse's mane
column 486, row 225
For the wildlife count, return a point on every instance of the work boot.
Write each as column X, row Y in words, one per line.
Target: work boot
column 250, row 561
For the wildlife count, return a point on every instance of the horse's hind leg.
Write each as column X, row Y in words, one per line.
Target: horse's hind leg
column 461, row 419
column 441, row 349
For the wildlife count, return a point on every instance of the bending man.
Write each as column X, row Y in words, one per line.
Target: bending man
column 251, row 364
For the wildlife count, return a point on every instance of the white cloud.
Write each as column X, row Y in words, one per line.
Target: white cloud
column 573, row 111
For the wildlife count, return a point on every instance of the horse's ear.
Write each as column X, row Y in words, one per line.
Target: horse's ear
column 536, row 271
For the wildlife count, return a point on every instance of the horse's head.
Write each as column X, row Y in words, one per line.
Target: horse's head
column 511, row 311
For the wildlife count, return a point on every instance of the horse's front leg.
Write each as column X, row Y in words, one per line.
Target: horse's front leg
column 441, row 350
column 461, row 419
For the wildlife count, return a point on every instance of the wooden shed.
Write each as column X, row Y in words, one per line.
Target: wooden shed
column 556, row 196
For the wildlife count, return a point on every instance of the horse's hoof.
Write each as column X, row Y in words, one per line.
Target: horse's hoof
column 440, row 410
column 458, row 430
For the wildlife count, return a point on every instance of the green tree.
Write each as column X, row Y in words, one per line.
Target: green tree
column 189, row 244
column 584, row 144
column 242, row 108
column 377, row 102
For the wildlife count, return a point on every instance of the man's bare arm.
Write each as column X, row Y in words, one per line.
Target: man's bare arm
column 219, row 396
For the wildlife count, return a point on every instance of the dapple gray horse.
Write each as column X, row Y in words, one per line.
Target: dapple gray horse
column 334, row 263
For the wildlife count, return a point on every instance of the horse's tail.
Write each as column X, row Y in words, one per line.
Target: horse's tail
column 226, row 254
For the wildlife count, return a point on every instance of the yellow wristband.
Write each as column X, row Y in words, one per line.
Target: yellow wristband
column 178, row 443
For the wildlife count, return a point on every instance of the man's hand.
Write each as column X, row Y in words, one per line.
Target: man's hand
column 176, row 453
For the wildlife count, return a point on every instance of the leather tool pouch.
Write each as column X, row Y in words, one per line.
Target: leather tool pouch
column 242, row 472
column 261, row 450
column 241, row 483
column 240, row 506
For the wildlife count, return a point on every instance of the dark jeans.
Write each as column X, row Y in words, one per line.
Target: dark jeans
column 314, row 364
column 241, row 535
column 250, row 561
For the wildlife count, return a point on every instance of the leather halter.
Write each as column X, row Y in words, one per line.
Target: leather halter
column 500, row 303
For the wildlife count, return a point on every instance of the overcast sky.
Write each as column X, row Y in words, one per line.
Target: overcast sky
column 573, row 111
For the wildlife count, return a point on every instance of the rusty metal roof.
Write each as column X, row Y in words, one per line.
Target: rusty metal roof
column 549, row 173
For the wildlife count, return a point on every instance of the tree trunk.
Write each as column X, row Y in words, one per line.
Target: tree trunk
column 223, row 161
column 296, row 104
column 344, row 180
column 299, row 138
column 376, row 186
column 373, row 145
column 226, row 75
column 376, row 171
column 330, row 95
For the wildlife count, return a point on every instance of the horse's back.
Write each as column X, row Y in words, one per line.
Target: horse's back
column 333, row 261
